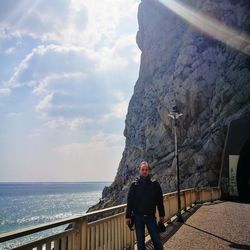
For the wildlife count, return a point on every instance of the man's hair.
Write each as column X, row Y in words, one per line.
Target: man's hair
column 144, row 163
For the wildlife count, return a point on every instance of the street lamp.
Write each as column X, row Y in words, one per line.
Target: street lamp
column 174, row 114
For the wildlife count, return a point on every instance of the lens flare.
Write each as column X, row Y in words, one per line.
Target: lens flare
column 210, row 26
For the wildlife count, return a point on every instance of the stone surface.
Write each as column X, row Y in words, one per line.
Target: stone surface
column 207, row 79
column 214, row 226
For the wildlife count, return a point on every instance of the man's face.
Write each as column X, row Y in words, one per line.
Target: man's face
column 144, row 170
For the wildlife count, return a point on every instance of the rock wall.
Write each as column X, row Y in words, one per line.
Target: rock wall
column 207, row 79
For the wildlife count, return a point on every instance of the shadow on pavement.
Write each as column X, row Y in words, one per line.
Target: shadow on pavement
column 232, row 244
column 173, row 227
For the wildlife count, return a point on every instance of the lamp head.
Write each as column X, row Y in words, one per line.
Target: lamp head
column 175, row 114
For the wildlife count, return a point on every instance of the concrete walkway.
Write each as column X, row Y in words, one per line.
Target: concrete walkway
column 220, row 225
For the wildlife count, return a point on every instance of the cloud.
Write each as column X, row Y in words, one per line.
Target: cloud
column 120, row 109
column 48, row 81
column 72, row 124
column 53, row 61
column 120, row 56
column 9, row 50
column 68, row 22
column 82, row 157
column 45, row 103
column 100, row 142
column 40, row 21
column 5, row 91
column 74, row 85
column 105, row 19
column 68, row 70
column 74, row 96
column 45, row 61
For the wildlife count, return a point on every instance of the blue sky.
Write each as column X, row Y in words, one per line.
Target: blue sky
column 68, row 68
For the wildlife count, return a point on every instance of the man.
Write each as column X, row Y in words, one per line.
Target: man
column 143, row 197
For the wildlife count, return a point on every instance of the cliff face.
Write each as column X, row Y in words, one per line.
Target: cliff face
column 206, row 77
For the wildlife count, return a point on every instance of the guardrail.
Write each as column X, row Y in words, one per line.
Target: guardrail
column 104, row 229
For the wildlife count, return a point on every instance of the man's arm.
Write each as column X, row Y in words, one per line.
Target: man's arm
column 160, row 205
column 130, row 201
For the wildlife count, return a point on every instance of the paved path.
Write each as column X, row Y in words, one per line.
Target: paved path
column 220, row 225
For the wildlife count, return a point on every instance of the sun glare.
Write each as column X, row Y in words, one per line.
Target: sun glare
column 210, row 26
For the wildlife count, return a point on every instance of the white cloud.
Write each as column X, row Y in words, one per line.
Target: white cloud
column 120, row 56
column 120, row 109
column 79, row 122
column 69, row 22
column 45, row 61
column 5, row 91
column 64, row 123
column 47, row 83
column 14, row 80
column 95, row 158
column 104, row 20
column 45, row 103
column 107, row 139
column 99, row 145
column 71, row 69
column 99, row 53
column 9, row 50
column 119, row 95
column 41, row 20
column 71, row 86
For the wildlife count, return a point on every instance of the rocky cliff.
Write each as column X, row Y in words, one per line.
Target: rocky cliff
column 194, row 55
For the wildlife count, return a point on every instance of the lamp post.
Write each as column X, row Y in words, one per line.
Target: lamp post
column 174, row 114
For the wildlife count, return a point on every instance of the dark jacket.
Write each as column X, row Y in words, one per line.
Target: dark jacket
column 143, row 197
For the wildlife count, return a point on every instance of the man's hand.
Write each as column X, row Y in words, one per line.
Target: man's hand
column 128, row 221
column 161, row 219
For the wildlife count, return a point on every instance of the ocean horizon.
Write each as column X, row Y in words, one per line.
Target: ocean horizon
column 25, row 204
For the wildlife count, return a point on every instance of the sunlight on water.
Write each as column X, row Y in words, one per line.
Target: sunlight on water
column 21, row 209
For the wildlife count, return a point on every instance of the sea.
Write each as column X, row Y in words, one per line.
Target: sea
column 28, row 204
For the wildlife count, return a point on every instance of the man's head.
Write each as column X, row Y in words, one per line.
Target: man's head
column 144, row 169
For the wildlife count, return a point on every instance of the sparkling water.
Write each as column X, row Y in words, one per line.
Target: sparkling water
column 28, row 204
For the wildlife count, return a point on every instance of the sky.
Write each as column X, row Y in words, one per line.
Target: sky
column 67, row 73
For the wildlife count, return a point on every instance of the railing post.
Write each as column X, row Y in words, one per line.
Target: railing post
column 198, row 196
column 76, row 235
column 168, row 210
column 211, row 200
column 185, row 199
column 83, row 234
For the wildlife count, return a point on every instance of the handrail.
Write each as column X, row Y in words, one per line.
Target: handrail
column 41, row 227
column 89, row 231
column 34, row 229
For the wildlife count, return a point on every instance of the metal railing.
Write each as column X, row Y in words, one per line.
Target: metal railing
column 104, row 229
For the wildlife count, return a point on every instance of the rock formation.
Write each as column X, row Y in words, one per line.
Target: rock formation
column 206, row 75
